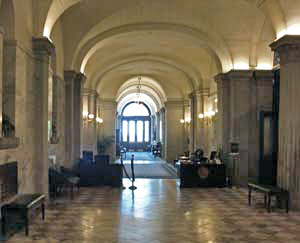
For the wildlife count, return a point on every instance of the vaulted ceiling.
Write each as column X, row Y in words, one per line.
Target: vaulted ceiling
column 180, row 44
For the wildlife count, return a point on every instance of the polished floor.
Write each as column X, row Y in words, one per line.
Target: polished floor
column 159, row 211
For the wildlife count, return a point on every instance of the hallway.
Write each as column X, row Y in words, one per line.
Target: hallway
column 158, row 212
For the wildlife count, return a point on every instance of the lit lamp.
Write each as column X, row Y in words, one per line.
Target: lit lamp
column 187, row 120
column 181, row 121
column 207, row 116
column 99, row 120
column 91, row 116
column 85, row 114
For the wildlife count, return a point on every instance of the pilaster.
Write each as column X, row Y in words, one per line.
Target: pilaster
column 288, row 171
column 89, row 131
column 73, row 113
column 1, row 72
column 197, row 107
column 42, row 49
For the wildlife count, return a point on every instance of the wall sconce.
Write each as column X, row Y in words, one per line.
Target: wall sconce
column 99, row 120
column 85, row 114
column 207, row 116
column 186, row 120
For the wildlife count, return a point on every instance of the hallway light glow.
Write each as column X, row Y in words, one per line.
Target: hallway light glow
column 241, row 66
column 201, row 116
column 264, row 66
column 181, row 121
column 293, row 29
column 91, row 116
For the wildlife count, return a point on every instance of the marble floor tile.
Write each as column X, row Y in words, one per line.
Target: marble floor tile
column 161, row 212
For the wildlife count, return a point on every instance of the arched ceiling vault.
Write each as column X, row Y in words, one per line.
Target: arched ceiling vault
column 210, row 41
column 147, row 99
column 181, row 44
column 151, row 92
column 146, row 81
column 271, row 9
column 99, row 75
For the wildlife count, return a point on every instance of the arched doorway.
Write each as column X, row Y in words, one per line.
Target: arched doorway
column 136, row 126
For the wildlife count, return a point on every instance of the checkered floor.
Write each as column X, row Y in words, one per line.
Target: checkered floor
column 160, row 211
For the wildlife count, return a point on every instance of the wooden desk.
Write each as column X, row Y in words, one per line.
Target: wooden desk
column 202, row 175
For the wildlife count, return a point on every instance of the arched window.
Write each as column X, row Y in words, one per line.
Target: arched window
column 134, row 109
column 136, row 126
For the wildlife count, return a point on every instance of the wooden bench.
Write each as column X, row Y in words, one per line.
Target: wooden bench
column 22, row 204
column 269, row 191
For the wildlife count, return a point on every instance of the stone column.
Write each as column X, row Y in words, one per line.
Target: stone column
column 42, row 49
column 73, row 114
column 241, row 96
column 1, row 72
column 288, row 171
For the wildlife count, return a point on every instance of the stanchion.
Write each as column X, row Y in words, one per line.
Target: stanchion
column 132, row 187
column 121, row 159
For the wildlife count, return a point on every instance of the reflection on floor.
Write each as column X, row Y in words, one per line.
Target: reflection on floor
column 159, row 211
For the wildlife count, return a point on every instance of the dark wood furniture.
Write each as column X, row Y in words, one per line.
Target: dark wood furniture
column 269, row 191
column 61, row 180
column 22, row 204
column 100, row 173
column 202, row 175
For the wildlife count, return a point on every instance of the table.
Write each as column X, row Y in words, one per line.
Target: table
column 202, row 175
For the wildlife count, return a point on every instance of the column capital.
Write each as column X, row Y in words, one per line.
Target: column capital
column 288, row 48
column 73, row 76
column 234, row 75
column 199, row 93
column 88, row 91
column 58, row 78
column 40, row 45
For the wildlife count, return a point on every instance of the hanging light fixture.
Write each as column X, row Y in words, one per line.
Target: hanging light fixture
column 138, row 91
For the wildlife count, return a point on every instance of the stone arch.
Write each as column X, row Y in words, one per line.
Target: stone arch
column 193, row 77
column 210, row 41
column 56, row 10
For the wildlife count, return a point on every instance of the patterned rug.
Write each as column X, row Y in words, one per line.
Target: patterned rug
column 154, row 170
